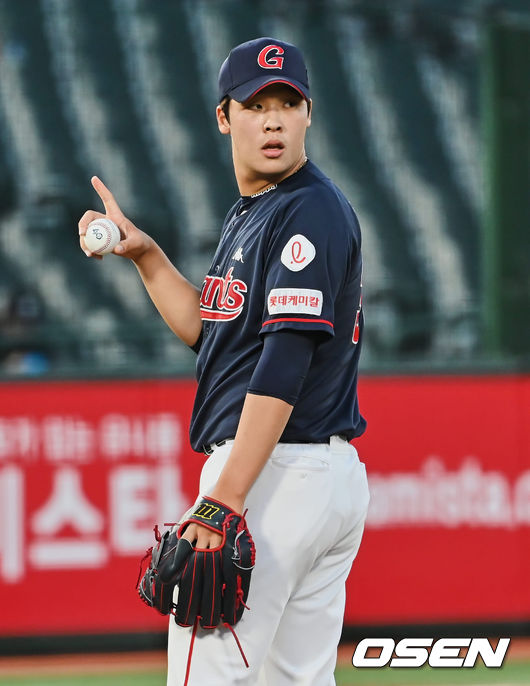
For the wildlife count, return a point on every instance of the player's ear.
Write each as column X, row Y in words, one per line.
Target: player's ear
column 222, row 120
column 309, row 111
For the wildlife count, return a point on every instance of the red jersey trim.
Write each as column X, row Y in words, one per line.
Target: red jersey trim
column 216, row 315
column 294, row 319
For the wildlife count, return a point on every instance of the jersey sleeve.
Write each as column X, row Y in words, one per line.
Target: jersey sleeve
column 306, row 266
column 198, row 343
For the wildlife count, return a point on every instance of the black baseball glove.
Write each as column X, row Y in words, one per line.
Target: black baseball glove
column 213, row 582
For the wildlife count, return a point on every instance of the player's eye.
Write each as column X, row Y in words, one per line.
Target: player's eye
column 255, row 106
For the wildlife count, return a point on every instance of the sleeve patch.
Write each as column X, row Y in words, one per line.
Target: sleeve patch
column 295, row 300
column 298, row 253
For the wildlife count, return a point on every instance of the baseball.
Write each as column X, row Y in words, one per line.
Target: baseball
column 102, row 236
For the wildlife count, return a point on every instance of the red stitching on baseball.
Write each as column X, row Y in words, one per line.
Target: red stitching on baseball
column 109, row 236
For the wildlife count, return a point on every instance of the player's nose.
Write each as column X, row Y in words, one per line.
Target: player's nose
column 272, row 123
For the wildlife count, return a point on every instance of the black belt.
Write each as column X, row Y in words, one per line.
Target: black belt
column 208, row 448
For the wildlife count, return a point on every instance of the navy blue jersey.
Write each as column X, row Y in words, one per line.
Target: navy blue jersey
column 288, row 258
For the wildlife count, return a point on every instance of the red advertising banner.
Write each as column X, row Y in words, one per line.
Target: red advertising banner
column 87, row 468
column 448, row 530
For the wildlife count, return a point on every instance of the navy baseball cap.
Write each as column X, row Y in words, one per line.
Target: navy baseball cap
column 257, row 63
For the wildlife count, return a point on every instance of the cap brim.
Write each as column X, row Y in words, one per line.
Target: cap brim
column 248, row 90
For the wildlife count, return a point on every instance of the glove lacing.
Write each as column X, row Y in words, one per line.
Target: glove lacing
column 148, row 552
column 192, row 641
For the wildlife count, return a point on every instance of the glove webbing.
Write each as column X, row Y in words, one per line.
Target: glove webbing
column 149, row 551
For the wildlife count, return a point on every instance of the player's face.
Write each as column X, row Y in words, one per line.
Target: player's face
column 268, row 133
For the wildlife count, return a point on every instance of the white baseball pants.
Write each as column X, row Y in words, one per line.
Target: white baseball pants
column 306, row 513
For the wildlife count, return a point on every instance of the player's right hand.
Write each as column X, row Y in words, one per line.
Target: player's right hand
column 134, row 242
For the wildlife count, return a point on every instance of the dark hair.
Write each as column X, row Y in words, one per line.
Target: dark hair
column 225, row 106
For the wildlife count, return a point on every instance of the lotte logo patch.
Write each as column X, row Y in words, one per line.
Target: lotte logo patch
column 298, row 253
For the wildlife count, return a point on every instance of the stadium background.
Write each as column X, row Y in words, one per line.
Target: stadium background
column 422, row 117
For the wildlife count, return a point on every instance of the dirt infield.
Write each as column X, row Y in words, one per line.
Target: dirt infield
column 99, row 663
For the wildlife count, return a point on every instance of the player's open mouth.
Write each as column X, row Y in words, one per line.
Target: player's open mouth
column 273, row 148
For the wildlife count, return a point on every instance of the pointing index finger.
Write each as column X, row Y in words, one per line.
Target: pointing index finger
column 110, row 204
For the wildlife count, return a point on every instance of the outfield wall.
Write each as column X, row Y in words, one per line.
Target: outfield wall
column 87, row 468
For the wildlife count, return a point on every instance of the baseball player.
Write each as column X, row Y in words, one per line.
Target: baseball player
column 277, row 328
